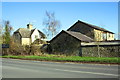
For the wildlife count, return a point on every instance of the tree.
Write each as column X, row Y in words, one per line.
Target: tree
column 51, row 24
column 0, row 29
column 1, row 33
column 7, row 31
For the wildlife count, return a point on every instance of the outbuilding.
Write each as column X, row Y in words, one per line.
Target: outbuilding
column 68, row 43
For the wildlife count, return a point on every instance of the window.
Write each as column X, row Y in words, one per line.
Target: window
column 36, row 36
column 109, row 34
column 112, row 36
column 104, row 36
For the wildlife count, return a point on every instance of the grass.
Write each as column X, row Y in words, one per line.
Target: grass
column 68, row 58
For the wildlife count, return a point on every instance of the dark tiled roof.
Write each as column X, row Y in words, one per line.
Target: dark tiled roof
column 76, row 35
column 92, row 26
column 79, row 36
column 32, row 31
column 43, row 35
column 26, row 33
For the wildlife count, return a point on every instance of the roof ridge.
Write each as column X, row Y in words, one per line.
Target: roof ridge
column 78, row 37
column 81, row 34
column 91, row 25
column 94, row 26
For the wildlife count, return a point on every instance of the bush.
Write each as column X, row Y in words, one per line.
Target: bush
column 46, row 48
column 35, row 49
column 17, row 49
column 39, row 41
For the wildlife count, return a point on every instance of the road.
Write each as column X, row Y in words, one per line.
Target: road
column 15, row 68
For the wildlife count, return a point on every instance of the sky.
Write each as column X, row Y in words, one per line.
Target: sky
column 102, row 14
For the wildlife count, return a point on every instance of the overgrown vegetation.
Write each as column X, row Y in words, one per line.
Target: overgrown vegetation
column 18, row 49
column 63, row 58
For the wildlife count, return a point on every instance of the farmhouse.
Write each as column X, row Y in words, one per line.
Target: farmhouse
column 26, row 36
column 69, row 42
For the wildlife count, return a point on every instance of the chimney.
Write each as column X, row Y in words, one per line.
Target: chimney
column 29, row 26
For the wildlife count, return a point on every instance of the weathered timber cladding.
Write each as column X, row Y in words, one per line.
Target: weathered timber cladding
column 84, row 29
column 104, row 51
column 65, row 44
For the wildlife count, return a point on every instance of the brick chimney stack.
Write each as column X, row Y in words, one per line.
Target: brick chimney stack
column 29, row 26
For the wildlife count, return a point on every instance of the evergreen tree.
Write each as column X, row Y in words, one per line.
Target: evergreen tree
column 6, row 35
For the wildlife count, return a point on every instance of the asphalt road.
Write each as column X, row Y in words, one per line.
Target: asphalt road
column 14, row 68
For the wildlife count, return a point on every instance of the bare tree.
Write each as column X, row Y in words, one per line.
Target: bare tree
column 51, row 24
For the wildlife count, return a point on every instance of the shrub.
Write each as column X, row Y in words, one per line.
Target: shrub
column 39, row 41
column 18, row 49
column 46, row 48
column 35, row 49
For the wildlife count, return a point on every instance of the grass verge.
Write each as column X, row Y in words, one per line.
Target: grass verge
column 110, row 60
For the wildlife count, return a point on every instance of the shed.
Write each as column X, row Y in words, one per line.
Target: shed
column 68, row 43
